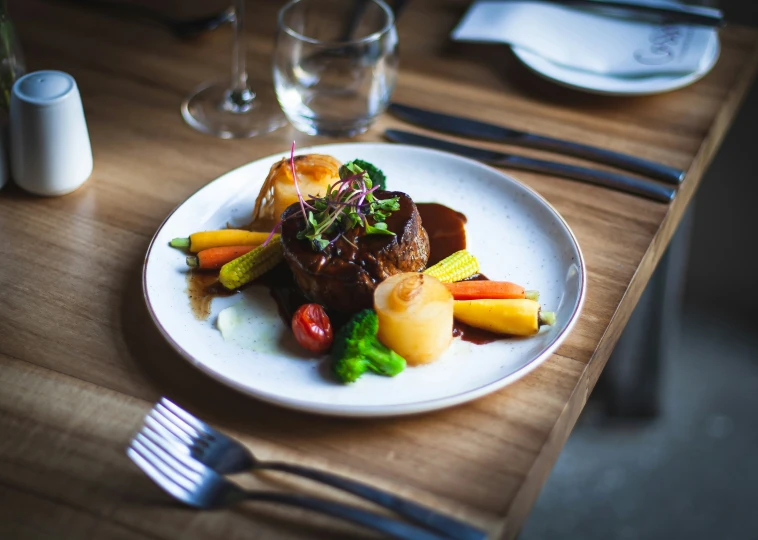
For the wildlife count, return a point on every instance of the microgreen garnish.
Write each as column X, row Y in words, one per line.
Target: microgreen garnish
column 377, row 176
column 348, row 203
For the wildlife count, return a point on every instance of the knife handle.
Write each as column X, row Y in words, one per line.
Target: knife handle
column 652, row 169
column 620, row 182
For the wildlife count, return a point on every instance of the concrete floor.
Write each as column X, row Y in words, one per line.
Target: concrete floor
column 690, row 473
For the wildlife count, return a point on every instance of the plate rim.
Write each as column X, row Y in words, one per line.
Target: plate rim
column 524, row 56
column 376, row 411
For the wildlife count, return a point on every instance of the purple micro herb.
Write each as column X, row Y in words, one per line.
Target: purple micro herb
column 348, row 203
column 303, row 204
column 273, row 232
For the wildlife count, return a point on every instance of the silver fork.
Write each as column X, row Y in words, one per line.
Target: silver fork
column 226, row 456
column 194, row 484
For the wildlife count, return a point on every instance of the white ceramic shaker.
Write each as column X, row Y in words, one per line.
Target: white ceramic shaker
column 49, row 142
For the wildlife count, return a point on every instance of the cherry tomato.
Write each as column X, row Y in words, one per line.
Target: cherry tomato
column 312, row 328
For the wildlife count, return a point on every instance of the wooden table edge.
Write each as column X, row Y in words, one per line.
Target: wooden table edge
column 543, row 464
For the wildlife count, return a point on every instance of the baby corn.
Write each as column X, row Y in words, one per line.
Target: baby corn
column 460, row 265
column 252, row 265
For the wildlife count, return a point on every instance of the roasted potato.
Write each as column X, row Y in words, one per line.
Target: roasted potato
column 314, row 173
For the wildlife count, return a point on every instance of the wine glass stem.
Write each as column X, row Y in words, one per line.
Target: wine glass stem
column 240, row 89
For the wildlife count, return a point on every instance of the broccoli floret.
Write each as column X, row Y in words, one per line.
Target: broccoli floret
column 376, row 175
column 356, row 349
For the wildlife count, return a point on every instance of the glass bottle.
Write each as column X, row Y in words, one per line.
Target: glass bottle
column 11, row 59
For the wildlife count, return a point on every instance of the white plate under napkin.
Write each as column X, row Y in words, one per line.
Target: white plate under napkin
column 586, row 50
column 616, row 86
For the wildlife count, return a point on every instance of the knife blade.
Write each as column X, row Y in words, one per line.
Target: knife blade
column 664, row 12
column 628, row 184
column 468, row 127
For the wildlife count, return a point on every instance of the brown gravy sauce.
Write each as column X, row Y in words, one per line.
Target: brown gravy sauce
column 446, row 230
column 202, row 288
column 447, row 234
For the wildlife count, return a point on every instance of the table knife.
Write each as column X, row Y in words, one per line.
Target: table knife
column 665, row 12
column 482, row 130
column 629, row 184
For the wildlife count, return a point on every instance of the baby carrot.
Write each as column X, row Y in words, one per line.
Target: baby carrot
column 215, row 258
column 485, row 289
column 513, row 316
column 225, row 237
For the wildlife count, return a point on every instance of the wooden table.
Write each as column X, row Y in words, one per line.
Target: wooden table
column 80, row 359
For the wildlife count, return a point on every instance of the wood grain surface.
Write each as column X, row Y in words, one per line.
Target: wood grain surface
column 81, row 362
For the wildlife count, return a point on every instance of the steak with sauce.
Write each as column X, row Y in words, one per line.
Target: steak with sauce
column 344, row 275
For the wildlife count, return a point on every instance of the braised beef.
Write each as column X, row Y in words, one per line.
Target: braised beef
column 344, row 275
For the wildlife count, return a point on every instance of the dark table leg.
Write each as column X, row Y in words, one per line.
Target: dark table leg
column 629, row 386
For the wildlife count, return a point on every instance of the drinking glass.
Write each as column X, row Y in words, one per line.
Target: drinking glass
column 335, row 64
column 232, row 110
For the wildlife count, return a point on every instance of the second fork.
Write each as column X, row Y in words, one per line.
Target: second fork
column 196, row 485
column 226, row 456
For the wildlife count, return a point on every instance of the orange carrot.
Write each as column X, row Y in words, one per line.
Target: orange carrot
column 215, row 258
column 485, row 289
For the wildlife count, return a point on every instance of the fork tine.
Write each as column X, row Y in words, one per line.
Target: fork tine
column 167, row 429
column 177, row 450
column 187, row 417
column 169, row 465
column 169, row 424
column 178, row 422
column 151, row 466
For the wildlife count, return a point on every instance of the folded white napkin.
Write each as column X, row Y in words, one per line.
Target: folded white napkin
column 586, row 40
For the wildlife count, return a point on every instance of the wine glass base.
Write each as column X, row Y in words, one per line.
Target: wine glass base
column 214, row 109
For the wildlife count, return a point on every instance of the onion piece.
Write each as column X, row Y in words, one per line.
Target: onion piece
column 415, row 313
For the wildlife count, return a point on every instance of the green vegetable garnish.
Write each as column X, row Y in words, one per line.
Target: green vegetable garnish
column 376, row 175
column 348, row 203
column 356, row 349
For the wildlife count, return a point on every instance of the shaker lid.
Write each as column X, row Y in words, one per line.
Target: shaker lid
column 44, row 87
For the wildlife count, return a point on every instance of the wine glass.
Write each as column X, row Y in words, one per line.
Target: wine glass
column 232, row 110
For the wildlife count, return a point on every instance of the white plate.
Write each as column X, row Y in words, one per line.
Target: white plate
column 513, row 231
column 617, row 86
